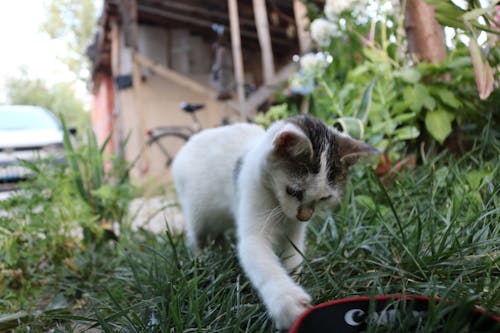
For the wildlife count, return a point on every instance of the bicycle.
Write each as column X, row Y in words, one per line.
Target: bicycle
column 168, row 138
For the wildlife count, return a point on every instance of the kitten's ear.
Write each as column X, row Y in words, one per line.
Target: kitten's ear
column 292, row 143
column 350, row 150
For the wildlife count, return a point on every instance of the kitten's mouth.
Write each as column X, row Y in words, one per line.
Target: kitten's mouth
column 305, row 213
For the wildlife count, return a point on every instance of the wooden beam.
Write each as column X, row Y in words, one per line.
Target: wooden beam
column 139, row 116
column 215, row 14
column 175, row 16
column 266, row 49
column 301, row 21
column 128, row 13
column 172, row 75
column 200, row 22
column 237, row 55
column 115, row 70
column 115, row 47
column 132, row 27
column 305, row 41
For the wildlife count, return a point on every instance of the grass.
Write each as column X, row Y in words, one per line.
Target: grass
column 432, row 230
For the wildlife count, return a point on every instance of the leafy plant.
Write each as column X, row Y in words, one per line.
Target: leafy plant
column 433, row 232
column 374, row 92
column 54, row 217
column 105, row 188
column 275, row 113
column 39, row 234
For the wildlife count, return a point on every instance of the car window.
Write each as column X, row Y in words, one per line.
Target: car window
column 25, row 118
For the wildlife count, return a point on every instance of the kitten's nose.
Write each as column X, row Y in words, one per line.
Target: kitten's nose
column 305, row 213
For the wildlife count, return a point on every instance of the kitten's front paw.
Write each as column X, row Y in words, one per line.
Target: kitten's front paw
column 288, row 306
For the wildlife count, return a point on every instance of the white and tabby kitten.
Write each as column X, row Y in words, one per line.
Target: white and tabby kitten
column 268, row 183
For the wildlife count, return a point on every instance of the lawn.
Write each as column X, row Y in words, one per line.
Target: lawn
column 432, row 230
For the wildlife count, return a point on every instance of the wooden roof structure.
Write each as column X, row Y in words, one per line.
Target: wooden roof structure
column 275, row 27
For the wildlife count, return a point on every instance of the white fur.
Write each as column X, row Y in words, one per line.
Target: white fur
column 264, row 213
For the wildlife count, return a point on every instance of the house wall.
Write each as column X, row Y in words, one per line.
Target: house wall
column 128, row 112
column 161, row 100
column 102, row 108
column 155, row 101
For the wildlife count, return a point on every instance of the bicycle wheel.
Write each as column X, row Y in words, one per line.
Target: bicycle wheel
column 167, row 145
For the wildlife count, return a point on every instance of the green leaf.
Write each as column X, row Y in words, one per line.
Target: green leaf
column 376, row 56
column 459, row 62
column 404, row 117
column 408, row 95
column 450, row 21
column 407, row 133
column 440, row 177
column 71, row 156
column 382, row 144
column 438, row 124
column 358, row 71
column 366, row 201
column 475, row 13
column 419, row 94
column 448, row 98
column 364, row 107
column 475, row 178
column 429, row 103
column 401, row 106
column 410, row 75
column 352, row 126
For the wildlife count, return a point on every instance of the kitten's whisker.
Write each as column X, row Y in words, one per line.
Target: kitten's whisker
column 267, row 212
column 275, row 212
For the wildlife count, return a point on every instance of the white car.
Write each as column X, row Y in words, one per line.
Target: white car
column 27, row 133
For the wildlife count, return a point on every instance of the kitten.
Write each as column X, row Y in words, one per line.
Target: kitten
column 268, row 183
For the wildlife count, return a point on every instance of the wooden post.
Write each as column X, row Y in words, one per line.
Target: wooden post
column 305, row 41
column 137, row 86
column 115, row 70
column 139, row 113
column 237, row 55
column 128, row 13
column 301, row 21
column 262, row 24
column 425, row 35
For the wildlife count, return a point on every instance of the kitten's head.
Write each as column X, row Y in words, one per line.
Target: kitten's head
column 308, row 165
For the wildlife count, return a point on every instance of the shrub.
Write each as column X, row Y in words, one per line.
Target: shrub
column 371, row 89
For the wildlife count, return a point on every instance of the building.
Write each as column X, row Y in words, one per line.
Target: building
column 149, row 56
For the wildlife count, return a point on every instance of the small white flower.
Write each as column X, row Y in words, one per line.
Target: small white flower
column 322, row 31
column 333, row 8
column 313, row 64
column 301, row 84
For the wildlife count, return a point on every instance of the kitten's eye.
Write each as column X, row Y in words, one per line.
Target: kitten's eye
column 299, row 194
column 325, row 198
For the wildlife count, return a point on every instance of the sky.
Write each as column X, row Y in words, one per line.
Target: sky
column 24, row 45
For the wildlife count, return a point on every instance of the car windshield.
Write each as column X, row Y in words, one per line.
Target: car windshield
column 26, row 118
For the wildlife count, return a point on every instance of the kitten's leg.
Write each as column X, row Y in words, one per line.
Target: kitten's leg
column 293, row 250
column 191, row 236
column 292, row 261
column 192, row 226
column 284, row 299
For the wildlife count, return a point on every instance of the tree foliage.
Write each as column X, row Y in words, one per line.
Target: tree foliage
column 72, row 21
